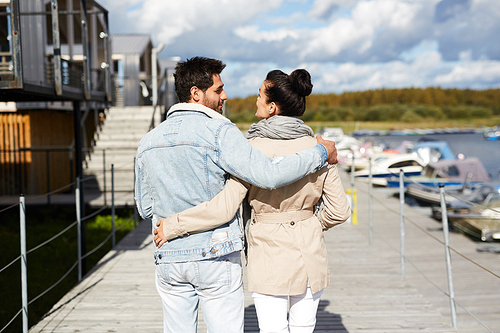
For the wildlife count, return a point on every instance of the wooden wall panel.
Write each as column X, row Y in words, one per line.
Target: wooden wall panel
column 48, row 166
column 14, row 163
column 51, row 135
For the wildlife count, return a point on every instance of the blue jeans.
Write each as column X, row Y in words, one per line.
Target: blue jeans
column 215, row 284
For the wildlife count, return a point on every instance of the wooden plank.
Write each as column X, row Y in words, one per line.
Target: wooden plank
column 9, row 138
column 367, row 292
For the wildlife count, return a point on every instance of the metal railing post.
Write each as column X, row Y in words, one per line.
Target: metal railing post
column 352, row 188
column 370, row 202
column 104, row 173
column 444, row 218
column 24, row 263
column 113, row 203
column 57, row 47
column 402, row 219
column 78, row 228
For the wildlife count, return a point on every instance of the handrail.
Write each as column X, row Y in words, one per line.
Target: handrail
column 60, row 149
column 432, row 236
column 66, row 229
column 12, row 319
column 409, row 179
column 382, row 203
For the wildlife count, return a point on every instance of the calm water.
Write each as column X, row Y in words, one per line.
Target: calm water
column 469, row 144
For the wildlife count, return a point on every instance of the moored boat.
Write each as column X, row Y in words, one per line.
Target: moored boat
column 453, row 174
column 462, row 201
column 492, row 135
column 483, row 224
column 389, row 165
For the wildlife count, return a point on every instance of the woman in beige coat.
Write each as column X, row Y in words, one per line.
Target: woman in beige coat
column 287, row 259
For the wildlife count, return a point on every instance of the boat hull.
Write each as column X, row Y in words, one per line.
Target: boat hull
column 479, row 227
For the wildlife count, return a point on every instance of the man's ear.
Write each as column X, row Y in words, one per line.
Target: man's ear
column 195, row 94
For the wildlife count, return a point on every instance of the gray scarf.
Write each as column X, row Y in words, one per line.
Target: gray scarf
column 280, row 127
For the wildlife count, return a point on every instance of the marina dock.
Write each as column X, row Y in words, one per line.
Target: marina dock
column 371, row 290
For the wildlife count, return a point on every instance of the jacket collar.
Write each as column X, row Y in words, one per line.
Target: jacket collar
column 198, row 108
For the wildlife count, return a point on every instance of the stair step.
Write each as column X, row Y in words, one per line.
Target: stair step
column 119, row 138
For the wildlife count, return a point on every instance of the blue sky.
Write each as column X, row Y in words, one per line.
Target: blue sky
column 346, row 45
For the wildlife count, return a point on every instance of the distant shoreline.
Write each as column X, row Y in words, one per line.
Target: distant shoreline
column 431, row 125
column 424, row 131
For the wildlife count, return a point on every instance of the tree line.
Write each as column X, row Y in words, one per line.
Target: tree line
column 404, row 105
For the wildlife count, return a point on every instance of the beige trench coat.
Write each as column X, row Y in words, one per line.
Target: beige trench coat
column 286, row 248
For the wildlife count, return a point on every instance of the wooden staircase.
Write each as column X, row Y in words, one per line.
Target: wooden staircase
column 116, row 145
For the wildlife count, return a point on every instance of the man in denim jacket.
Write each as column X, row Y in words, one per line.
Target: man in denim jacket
column 185, row 161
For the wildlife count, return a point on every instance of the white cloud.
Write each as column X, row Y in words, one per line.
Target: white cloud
column 196, row 15
column 357, row 33
column 346, row 44
column 426, row 70
column 252, row 33
column 471, row 73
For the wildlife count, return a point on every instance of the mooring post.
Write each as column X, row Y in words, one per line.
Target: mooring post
column 402, row 219
column 444, row 219
column 113, row 203
column 24, row 263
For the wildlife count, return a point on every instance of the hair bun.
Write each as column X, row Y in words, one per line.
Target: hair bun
column 301, row 82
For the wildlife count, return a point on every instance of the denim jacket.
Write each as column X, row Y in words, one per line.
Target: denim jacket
column 187, row 159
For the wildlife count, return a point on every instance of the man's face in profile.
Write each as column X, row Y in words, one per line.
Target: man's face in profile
column 215, row 95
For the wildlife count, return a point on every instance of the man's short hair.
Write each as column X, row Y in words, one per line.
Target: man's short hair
column 195, row 72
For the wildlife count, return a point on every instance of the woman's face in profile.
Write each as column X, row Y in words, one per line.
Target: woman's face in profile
column 263, row 107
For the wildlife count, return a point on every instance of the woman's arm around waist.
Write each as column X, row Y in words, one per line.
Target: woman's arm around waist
column 205, row 216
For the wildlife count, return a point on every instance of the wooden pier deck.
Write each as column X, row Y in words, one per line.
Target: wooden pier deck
column 367, row 292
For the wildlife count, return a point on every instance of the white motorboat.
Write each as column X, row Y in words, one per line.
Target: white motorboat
column 389, row 165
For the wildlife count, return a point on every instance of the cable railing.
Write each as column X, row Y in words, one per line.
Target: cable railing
column 445, row 243
column 78, row 223
column 52, row 167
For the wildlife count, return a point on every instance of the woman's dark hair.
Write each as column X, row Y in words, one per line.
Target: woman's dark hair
column 289, row 91
column 195, row 72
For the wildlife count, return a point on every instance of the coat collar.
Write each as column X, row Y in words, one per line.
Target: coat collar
column 196, row 107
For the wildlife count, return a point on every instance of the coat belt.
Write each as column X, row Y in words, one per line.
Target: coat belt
column 282, row 217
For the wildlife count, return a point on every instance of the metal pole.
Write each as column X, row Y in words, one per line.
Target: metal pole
column 24, row 264
column 154, row 78
column 352, row 188
column 78, row 228
column 17, row 54
column 107, row 56
column 113, row 202
column 402, row 219
column 57, row 47
column 85, row 49
column 70, row 33
column 104, row 173
column 370, row 201
column 106, row 64
column 444, row 217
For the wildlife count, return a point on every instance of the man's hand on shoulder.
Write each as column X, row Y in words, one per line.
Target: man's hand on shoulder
column 330, row 147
